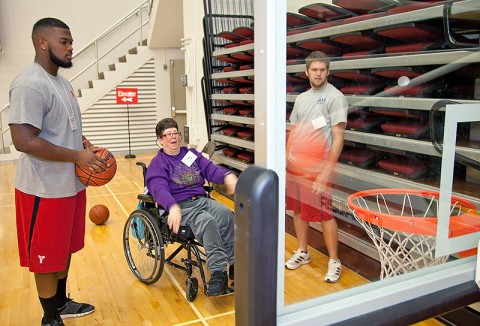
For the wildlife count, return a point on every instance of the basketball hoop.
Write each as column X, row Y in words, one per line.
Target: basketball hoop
column 402, row 224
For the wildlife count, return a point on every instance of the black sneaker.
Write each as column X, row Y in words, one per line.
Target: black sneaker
column 217, row 284
column 56, row 322
column 75, row 309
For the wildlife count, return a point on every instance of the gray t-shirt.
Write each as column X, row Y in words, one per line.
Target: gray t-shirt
column 45, row 102
column 314, row 114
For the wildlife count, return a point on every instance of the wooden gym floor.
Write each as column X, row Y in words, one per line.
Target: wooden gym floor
column 100, row 275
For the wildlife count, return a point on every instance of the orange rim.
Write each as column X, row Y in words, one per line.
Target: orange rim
column 411, row 224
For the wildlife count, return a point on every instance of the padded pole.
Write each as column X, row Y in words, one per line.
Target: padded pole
column 256, row 247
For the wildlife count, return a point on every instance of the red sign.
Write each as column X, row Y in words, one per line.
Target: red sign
column 127, row 95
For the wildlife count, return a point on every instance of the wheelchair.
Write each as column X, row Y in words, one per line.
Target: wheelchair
column 145, row 236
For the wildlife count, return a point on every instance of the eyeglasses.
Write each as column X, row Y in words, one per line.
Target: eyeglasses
column 171, row 134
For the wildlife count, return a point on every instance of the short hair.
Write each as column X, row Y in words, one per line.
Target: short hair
column 48, row 23
column 317, row 56
column 164, row 124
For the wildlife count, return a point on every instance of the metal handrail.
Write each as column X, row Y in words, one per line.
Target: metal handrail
column 94, row 43
column 98, row 58
column 146, row 4
column 2, row 131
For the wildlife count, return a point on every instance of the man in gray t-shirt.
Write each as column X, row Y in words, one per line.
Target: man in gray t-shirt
column 314, row 145
column 50, row 202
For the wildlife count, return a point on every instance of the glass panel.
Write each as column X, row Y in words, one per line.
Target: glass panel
column 459, row 226
column 394, row 66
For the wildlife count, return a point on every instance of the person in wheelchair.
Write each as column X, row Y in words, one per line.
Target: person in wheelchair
column 175, row 179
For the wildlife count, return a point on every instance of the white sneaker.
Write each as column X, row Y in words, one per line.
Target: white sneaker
column 298, row 259
column 334, row 271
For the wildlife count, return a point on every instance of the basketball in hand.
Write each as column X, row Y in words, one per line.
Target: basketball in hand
column 92, row 178
column 99, row 214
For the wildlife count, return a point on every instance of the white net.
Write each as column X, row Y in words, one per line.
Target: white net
column 401, row 252
column 387, row 218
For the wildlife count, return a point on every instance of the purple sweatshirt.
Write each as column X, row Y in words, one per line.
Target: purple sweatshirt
column 170, row 181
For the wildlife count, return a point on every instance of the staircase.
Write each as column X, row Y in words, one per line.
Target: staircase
column 106, row 123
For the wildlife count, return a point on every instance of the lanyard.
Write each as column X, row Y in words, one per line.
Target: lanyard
column 71, row 117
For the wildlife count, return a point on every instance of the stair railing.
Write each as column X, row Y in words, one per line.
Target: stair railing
column 2, row 131
column 95, row 43
column 85, row 51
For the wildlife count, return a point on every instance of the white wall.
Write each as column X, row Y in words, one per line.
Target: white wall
column 163, row 57
column 87, row 19
column 193, row 36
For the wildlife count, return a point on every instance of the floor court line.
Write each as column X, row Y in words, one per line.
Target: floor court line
column 184, row 295
column 207, row 318
column 118, row 202
column 172, row 278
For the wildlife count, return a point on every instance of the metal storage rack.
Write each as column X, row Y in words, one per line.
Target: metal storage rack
column 350, row 177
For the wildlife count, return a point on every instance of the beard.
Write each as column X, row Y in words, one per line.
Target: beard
column 318, row 84
column 56, row 60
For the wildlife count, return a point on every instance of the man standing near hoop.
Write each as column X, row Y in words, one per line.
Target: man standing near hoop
column 314, row 145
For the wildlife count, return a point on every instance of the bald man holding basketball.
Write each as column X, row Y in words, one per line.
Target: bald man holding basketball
column 314, row 145
column 50, row 201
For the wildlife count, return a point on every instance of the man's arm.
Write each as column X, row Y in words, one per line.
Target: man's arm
column 338, row 134
column 25, row 139
column 86, row 142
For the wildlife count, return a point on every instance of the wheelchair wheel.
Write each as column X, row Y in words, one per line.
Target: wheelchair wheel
column 192, row 288
column 143, row 246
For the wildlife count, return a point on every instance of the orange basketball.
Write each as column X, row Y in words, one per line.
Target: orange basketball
column 92, row 178
column 307, row 149
column 99, row 214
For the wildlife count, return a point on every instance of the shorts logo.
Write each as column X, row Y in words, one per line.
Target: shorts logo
column 41, row 258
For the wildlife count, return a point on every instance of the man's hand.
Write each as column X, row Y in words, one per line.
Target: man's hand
column 88, row 160
column 321, row 182
column 174, row 218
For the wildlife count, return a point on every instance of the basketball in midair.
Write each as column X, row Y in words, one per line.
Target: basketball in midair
column 92, row 178
column 99, row 214
column 307, row 149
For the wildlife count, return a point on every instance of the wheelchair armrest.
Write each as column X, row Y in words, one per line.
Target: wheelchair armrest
column 146, row 198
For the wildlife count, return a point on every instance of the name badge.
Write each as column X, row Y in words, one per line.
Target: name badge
column 319, row 123
column 189, row 158
column 73, row 122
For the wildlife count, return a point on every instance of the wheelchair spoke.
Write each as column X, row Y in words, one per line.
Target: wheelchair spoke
column 143, row 247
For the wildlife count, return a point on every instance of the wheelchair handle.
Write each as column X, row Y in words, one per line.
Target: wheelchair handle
column 144, row 171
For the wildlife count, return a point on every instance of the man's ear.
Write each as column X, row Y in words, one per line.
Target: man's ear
column 42, row 43
column 306, row 72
